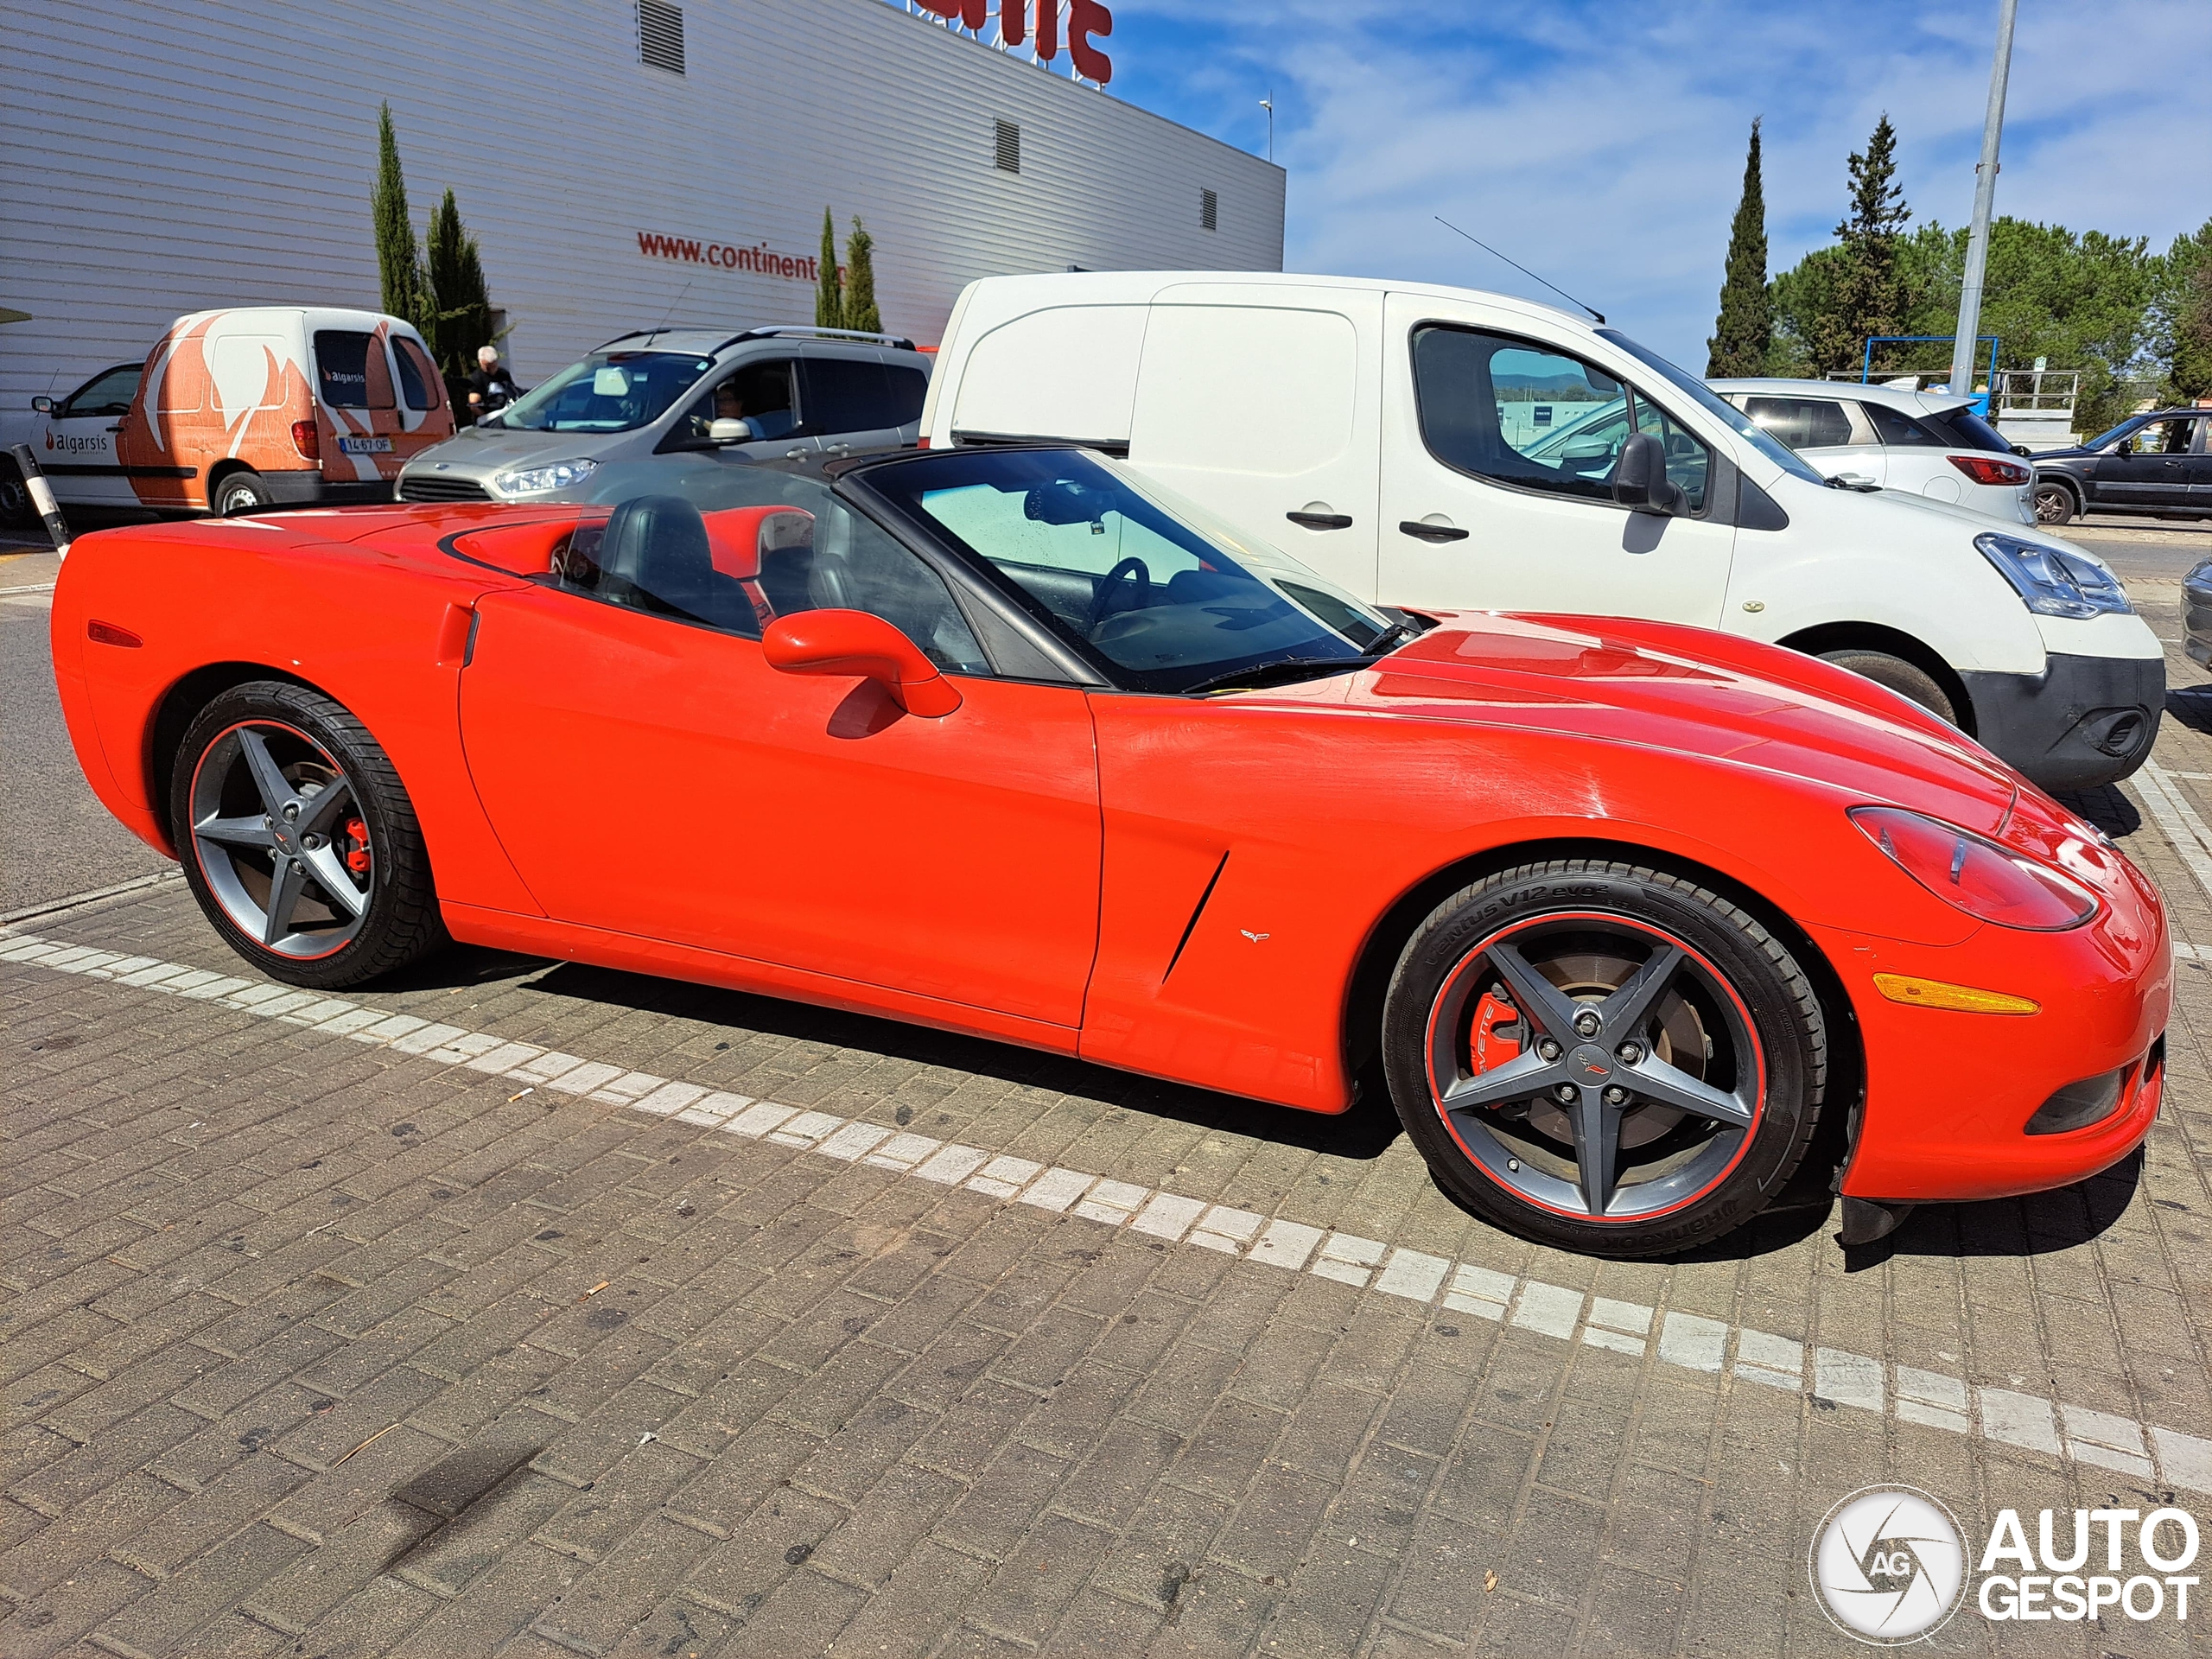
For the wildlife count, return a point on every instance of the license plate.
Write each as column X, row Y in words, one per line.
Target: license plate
column 365, row 446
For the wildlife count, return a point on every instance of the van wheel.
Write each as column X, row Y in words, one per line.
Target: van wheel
column 1908, row 680
column 2054, row 504
column 241, row 491
column 16, row 510
column 1605, row 1057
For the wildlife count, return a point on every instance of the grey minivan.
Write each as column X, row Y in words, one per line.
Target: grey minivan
column 781, row 391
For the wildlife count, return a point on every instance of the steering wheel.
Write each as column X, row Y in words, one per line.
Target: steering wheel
column 1109, row 584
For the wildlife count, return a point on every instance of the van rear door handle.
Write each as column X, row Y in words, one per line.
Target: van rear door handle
column 1320, row 520
column 1413, row 527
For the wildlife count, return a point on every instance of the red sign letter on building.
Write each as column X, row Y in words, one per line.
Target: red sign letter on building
column 1085, row 19
column 967, row 13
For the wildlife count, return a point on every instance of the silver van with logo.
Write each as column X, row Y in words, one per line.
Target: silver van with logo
column 781, row 391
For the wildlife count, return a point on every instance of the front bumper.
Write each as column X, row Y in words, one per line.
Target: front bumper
column 1948, row 1094
column 2082, row 721
column 2196, row 619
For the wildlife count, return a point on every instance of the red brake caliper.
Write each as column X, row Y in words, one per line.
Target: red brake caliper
column 1488, row 1047
column 357, row 855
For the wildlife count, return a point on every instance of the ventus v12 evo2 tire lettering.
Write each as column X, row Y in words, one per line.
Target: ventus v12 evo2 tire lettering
column 299, row 839
column 1604, row 1058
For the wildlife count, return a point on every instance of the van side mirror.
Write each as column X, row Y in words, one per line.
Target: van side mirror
column 1640, row 480
column 43, row 405
column 864, row 646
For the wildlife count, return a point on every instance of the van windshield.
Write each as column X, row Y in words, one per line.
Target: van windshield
column 1711, row 402
column 608, row 391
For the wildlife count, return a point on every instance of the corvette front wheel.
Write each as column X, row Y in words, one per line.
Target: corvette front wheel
column 1605, row 1057
column 298, row 840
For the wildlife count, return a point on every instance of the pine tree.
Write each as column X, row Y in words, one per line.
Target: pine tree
column 829, row 301
column 1743, row 335
column 2186, row 315
column 1870, row 298
column 399, row 260
column 860, row 282
column 461, row 319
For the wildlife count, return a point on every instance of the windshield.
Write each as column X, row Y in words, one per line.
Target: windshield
column 1125, row 572
column 2117, row 433
column 608, row 391
column 1711, row 402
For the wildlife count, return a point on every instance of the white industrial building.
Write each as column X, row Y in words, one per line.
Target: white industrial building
column 164, row 158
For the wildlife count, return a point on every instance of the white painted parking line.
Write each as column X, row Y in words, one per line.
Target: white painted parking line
column 2185, row 832
column 1691, row 1341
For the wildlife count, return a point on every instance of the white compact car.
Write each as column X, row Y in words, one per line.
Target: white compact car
column 1930, row 443
column 1435, row 446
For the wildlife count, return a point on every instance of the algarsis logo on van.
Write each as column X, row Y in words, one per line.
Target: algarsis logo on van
column 1889, row 1565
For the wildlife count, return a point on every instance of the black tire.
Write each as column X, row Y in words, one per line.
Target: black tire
column 1734, row 1008
column 16, row 511
column 314, row 745
column 2055, row 504
column 244, row 491
column 1908, row 680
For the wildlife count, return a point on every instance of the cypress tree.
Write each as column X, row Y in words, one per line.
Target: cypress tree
column 828, row 301
column 1743, row 334
column 462, row 308
column 860, row 281
column 1870, row 298
column 399, row 260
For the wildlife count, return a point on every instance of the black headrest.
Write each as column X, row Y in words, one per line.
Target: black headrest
column 656, row 547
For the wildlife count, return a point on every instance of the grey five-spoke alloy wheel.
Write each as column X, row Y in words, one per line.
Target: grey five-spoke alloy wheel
column 298, row 839
column 2054, row 504
column 1605, row 1057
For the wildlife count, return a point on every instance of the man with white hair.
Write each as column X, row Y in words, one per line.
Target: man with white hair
column 493, row 386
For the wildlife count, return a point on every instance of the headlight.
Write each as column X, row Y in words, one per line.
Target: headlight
column 2052, row 581
column 1977, row 876
column 541, row 481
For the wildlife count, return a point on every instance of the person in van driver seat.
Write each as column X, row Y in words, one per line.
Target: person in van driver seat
column 729, row 405
column 493, row 386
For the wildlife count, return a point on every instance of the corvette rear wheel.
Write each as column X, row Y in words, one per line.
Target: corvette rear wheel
column 1605, row 1057
column 299, row 840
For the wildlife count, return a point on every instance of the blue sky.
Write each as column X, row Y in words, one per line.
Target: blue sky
column 1603, row 143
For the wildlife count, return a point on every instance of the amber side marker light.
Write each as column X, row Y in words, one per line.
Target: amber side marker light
column 107, row 633
column 1918, row 993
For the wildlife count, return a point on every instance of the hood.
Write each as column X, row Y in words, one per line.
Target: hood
column 1696, row 693
column 479, row 451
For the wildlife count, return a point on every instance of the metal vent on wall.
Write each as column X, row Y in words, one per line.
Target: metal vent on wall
column 1009, row 146
column 660, row 34
column 1208, row 206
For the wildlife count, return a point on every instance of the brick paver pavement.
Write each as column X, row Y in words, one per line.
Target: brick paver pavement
column 316, row 1345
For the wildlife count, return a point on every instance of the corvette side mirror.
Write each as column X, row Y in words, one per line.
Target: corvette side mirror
column 1640, row 480
column 863, row 646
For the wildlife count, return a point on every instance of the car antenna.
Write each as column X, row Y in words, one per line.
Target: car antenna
column 661, row 327
column 1522, row 269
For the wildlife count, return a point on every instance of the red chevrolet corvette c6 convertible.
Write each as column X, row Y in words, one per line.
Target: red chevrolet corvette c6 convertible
column 1012, row 742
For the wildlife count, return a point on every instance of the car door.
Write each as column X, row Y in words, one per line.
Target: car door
column 651, row 775
column 2149, row 467
column 79, row 454
column 1833, row 437
column 855, row 400
column 1263, row 403
column 2200, row 467
column 1481, row 507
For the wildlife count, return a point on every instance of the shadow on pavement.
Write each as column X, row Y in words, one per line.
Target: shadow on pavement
column 2036, row 1224
column 1362, row 1133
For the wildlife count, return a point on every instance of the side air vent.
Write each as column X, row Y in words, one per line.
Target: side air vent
column 1209, row 211
column 660, row 34
column 1009, row 146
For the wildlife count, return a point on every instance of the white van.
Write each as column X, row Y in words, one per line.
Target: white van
column 1430, row 446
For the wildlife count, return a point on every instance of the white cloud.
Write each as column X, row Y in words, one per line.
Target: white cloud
column 1603, row 145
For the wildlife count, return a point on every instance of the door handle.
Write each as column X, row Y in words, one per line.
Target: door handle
column 1320, row 520
column 1420, row 531
column 118, row 427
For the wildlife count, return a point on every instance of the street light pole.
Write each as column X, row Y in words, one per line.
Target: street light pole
column 1985, row 196
column 1269, row 104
